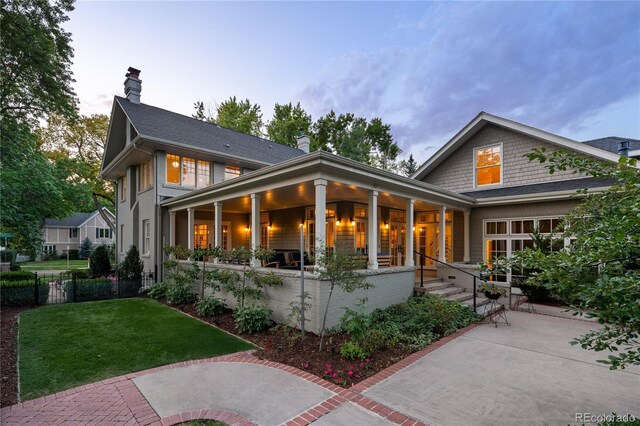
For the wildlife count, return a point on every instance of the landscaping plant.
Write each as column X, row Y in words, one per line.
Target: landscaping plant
column 99, row 263
column 210, row 306
column 252, row 318
column 130, row 273
column 86, row 247
column 180, row 276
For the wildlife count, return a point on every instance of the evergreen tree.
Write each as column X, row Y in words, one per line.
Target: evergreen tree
column 85, row 249
column 131, row 268
column 409, row 167
column 99, row 261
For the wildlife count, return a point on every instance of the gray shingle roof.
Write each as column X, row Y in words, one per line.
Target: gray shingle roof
column 72, row 221
column 159, row 123
column 538, row 188
column 611, row 143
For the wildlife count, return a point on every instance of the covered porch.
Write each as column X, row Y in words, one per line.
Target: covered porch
column 377, row 215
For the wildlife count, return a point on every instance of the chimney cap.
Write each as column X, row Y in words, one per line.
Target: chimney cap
column 133, row 72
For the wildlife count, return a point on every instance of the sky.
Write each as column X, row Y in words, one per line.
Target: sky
column 425, row 68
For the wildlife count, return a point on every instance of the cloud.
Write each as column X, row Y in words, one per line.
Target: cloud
column 550, row 65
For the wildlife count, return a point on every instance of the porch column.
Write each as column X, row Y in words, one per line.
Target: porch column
column 321, row 216
column 255, row 226
column 373, row 230
column 217, row 225
column 172, row 229
column 191, row 216
column 442, row 243
column 467, row 236
column 408, row 235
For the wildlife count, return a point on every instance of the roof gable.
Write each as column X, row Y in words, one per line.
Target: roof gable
column 482, row 119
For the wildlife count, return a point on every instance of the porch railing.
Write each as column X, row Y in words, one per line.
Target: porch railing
column 475, row 277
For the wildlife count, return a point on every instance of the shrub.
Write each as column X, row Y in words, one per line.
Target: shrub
column 252, row 318
column 99, row 261
column 210, row 306
column 159, row 291
column 17, row 276
column 14, row 267
column 22, row 293
column 180, row 294
column 353, row 351
column 80, row 273
column 130, row 273
column 86, row 247
column 89, row 289
column 8, row 256
column 73, row 255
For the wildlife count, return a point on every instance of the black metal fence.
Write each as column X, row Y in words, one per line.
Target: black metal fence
column 71, row 287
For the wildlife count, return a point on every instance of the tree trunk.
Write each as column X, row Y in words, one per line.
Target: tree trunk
column 324, row 318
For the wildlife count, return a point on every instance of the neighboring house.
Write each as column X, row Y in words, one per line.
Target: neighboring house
column 58, row 235
column 185, row 182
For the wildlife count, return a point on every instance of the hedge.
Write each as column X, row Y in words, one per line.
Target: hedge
column 22, row 293
column 17, row 276
column 89, row 289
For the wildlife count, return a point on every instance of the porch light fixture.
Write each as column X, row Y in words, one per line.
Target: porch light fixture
column 247, row 229
column 338, row 222
column 301, row 224
column 353, row 222
column 414, row 229
column 386, row 225
column 175, row 164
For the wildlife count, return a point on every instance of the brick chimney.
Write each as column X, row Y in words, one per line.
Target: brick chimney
column 303, row 142
column 133, row 85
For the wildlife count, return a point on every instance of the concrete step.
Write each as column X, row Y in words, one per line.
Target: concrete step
column 428, row 280
column 435, row 285
column 480, row 300
column 460, row 297
column 445, row 292
column 485, row 310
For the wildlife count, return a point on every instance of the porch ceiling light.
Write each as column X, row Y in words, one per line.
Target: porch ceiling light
column 175, row 164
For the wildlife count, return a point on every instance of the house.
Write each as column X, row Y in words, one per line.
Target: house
column 185, row 182
column 60, row 235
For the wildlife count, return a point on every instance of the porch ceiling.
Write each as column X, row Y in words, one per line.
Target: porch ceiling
column 303, row 194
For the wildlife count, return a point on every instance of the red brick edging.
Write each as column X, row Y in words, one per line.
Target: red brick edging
column 228, row 417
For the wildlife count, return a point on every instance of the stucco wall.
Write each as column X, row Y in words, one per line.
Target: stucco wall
column 391, row 286
column 456, row 172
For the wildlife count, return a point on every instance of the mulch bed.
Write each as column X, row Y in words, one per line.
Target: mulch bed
column 284, row 345
column 9, row 355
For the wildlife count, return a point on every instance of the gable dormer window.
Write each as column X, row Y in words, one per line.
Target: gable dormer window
column 488, row 165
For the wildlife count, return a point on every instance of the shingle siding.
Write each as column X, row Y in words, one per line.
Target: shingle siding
column 456, row 172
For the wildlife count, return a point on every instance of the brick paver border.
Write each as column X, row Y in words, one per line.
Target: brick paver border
column 143, row 413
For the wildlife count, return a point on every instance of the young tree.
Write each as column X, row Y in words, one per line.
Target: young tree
column 241, row 116
column 408, row 167
column 599, row 274
column 339, row 269
column 287, row 122
column 85, row 249
column 36, row 57
column 132, row 266
column 99, row 261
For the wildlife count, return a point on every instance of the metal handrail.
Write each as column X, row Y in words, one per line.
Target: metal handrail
column 475, row 277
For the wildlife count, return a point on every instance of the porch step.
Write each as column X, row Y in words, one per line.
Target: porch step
column 446, row 292
column 430, row 286
column 485, row 310
column 460, row 297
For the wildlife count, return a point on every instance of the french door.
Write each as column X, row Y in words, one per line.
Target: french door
column 396, row 243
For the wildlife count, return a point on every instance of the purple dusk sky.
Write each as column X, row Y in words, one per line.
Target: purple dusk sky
column 572, row 68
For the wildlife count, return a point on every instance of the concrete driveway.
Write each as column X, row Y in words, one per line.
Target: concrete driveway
column 523, row 374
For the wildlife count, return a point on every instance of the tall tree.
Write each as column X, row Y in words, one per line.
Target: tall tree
column 409, row 167
column 76, row 148
column 36, row 57
column 241, row 116
column 287, row 122
column 30, row 188
column 353, row 137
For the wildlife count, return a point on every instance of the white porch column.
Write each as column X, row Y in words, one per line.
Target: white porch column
column 217, row 225
column 191, row 216
column 373, row 229
column 409, row 234
column 321, row 216
column 442, row 242
column 467, row 236
column 172, row 229
column 255, row 226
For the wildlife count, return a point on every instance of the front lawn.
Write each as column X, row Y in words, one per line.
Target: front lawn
column 64, row 346
column 55, row 265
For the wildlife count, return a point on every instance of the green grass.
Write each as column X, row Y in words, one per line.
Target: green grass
column 59, row 265
column 64, row 346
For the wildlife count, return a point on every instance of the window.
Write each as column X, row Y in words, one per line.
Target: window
column 488, row 165
column 73, row 233
column 231, row 172
column 522, row 226
column 146, row 176
column 121, row 238
column 204, row 174
column 188, row 172
column 146, row 236
column 123, row 188
column 496, row 227
column 496, row 248
column 173, row 169
column 103, row 233
column 49, row 249
column 201, row 236
column 330, row 227
column 360, row 211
